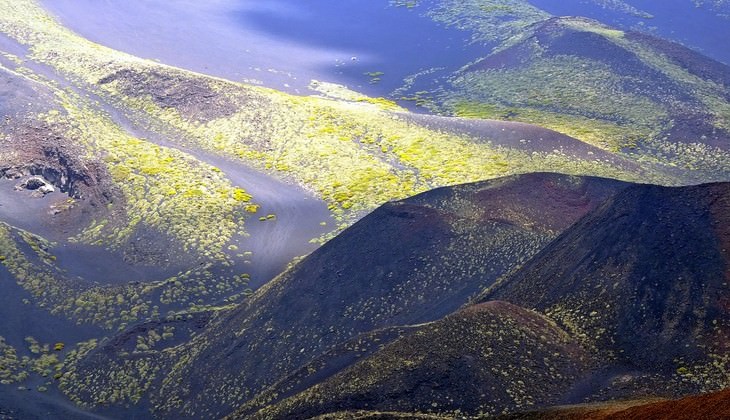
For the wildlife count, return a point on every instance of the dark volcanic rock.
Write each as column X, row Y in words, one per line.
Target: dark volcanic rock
column 483, row 359
column 634, row 296
column 655, row 244
column 197, row 101
column 644, row 279
column 624, row 294
column 43, row 152
column 408, row 262
column 708, row 406
column 36, row 183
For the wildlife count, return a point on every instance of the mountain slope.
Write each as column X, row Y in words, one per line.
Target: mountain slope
column 714, row 405
column 129, row 254
column 483, row 359
column 640, row 284
column 157, row 172
column 622, row 91
column 408, row 262
column 644, row 278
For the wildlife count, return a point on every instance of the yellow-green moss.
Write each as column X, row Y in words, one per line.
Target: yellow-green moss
column 352, row 150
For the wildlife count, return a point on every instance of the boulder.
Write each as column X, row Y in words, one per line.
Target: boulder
column 38, row 184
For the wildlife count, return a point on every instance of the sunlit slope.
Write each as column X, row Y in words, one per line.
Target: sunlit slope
column 355, row 152
column 626, row 92
column 149, row 161
column 133, row 231
column 156, row 202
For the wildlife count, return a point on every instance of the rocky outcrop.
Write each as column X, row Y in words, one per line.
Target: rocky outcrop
column 38, row 185
column 50, row 161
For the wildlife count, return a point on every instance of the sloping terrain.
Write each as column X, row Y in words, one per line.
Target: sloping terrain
column 408, row 262
column 714, row 405
column 142, row 205
column 626, row 92
column 283, row 45
column 697, row 24
column 354, row 152
column 644, row 280
column 152, row 176
column 515, row 357
column 639, row 285
column 706, row 406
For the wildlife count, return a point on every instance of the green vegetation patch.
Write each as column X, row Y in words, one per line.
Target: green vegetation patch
column 375, row 76
column 710, row 94
column 40, row 361
column 489, row 21
column 112, row 307
column 579, row 97
column 11, row 366
column 163, row 188
column 355, row 152
column 405, row 3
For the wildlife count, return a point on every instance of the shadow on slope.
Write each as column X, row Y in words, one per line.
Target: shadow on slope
column 640, row 285
column 408, row 262
column 479, row 360
column 644, row 277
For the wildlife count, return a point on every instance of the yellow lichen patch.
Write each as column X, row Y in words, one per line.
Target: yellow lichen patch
column 711, row 94
column 335, row 91
column 591, row 26
column 163, row 188
column 600, row 133
column 355, row 152
column 110, row 306
column 575, row 96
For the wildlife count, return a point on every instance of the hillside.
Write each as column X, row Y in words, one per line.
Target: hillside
column 652, row 294
column 407, row 263
column 335, row 144
column 706, row 406
column 604, row 285
column 157, row 170
column 174, row 194
column 169, row 193
column 627, row 92
column 516, row 357
column 176, row 244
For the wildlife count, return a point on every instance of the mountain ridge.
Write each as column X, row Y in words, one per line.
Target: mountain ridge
column 631, row 322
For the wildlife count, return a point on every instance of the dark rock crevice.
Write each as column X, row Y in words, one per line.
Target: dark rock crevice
column 39, row 151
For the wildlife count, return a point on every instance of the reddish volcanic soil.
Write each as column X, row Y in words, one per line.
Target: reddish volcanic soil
column 703, row 407
column 710, row 406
